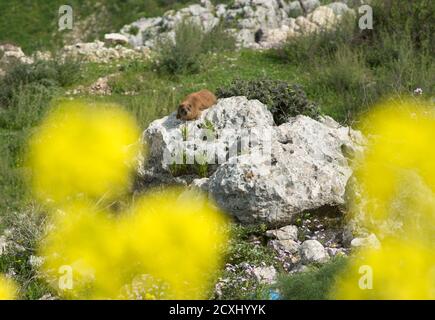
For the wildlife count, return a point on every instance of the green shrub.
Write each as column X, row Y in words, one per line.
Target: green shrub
column 26, row 229
column 12, row 185
column 218, row 39
column 283, row 99
column 405, row 18
column 184, row 54
column 181, row 55
column 52, row 73
column 314, row 284
column 300, row 50
column 241, row 248
column 27, row 106
column 347, row 70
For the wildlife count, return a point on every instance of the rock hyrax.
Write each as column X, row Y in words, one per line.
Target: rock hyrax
column 193, row 104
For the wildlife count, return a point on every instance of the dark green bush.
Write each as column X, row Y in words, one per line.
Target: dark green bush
column 183, row 55
column 283, row 99
column 314, row 284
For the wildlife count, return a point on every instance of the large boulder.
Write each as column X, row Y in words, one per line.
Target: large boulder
column 258, row 172
column 170, row 139
column 11, row 54
column 308, row 171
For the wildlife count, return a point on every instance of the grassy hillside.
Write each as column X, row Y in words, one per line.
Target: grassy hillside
column 33, row 24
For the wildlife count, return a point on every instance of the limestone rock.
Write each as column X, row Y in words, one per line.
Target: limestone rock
column 258, row 172
column 307, row 170
column 312, row 251
column 370, row 241
column 115, row 38
column 285, row 233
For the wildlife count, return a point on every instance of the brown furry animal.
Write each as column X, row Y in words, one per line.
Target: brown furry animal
column 193, row 104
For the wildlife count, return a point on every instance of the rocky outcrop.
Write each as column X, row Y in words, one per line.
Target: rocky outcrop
column 255, row 23
column 11, row 54
column 258, row 172
column 114, row 48
column 99, row 52
column 115, row 38
column 308, row 171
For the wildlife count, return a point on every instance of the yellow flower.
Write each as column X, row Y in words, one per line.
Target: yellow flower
column 396, row 178
column 8, row 289
column 400, row 270
column 399, row 159
column 174, row 240
column 83, row 150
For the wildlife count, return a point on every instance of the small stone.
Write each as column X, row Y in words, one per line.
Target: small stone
column 285, row 233
column 265, row 275
column 115, row 38
column 288, row 246
column 312, row 251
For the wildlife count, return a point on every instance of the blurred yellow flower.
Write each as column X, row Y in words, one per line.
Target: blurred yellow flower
column 83, row 150
column 8, row 289
column 396, row 201
column 175, row 239
column 400, row 270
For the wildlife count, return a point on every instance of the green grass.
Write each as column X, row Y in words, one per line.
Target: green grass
column 26, row 93
column 313, row 284
column 242, row 249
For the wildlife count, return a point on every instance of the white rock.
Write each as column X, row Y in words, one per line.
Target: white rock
column 323, row 17
column 275, row 37
column 115, row 38
column 201, row 184
column 227, row 116
column 10, row 54
column 285, row 233
column 97, row 52
column 312, row 251
column 249, row 16
column 287, row 170
column 339, row 8
column 370, row 241
column 310, row 5
column 221, row 10
column 265, row 275
column 305, row 25
column 308, row 171
column 286, row 246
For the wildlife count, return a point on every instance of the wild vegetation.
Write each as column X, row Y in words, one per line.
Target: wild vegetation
column 342, row 72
